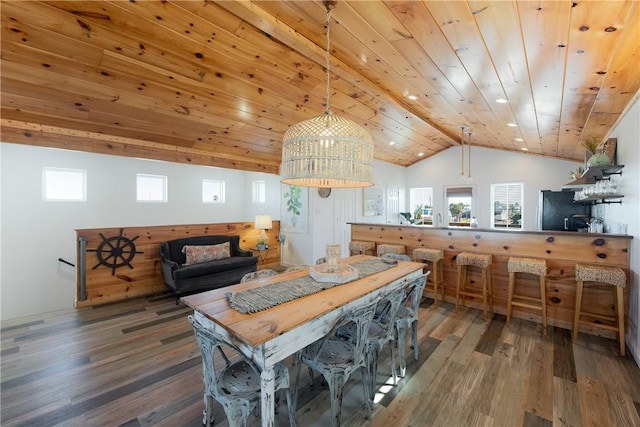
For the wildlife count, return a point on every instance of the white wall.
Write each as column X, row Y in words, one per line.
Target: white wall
column 36, row 233
column 628, row 149
column 491, row 167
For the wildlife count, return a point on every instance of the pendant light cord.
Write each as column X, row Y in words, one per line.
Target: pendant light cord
column 469, row 144
column 327, row 64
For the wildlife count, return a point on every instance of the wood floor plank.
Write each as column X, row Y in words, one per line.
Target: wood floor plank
column 563, row 357
column 489, row 340
column 540, row 393
column 77, row 368
column 566, row 403
column 594, row 405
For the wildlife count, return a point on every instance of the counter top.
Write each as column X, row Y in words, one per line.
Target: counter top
column 494, row 230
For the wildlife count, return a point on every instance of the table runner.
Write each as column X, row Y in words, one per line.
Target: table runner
column 264, row 297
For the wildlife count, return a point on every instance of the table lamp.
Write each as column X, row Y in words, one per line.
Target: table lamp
column 263, row 222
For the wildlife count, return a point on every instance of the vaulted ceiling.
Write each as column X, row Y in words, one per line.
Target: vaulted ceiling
column 218, row 83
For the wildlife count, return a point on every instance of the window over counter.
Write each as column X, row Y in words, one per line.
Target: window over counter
column 64, row 185
column 459, row 202
column 151, row 188
column 421, row 205
column 507, row 205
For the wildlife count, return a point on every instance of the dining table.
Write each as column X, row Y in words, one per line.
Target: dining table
column 270, row 335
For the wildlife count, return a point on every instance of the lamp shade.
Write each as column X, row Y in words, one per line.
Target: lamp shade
column 263, row 222
column 327, row 151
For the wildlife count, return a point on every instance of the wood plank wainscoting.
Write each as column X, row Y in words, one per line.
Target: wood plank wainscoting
column 561, row 250
column 135, row 251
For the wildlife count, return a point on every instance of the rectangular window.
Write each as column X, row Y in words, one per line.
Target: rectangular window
column 151, row 188
column 421, row 205
column 212, row 191
column 259, row 192
column 507, row 205
column 64, row 185
column 459, row 201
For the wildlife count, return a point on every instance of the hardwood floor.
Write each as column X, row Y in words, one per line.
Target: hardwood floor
column 136, row 363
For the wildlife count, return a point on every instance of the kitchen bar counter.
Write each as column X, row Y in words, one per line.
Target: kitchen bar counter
column 560, row 249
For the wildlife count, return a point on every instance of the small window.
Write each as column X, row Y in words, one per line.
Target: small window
column 212, row 191
column 151, row 188
column 259, row 192
column 507, row 205
column 421, row 205
column 459, row 201
column 64, row 185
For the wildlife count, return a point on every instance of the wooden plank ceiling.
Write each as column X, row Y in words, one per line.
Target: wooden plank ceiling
column 218, row 83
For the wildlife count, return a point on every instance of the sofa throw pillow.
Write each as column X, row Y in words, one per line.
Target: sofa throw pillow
column 203, row 253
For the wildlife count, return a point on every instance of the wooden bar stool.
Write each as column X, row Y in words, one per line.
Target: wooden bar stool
column 482, row 262
column 601, row 274
column 384, row 248
column 534, row 266
column 358, row 247
column 435, row 257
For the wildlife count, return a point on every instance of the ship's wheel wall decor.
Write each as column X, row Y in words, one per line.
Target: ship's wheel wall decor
column 115, row 252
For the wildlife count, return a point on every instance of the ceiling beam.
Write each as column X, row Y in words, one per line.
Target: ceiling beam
column 57, row 137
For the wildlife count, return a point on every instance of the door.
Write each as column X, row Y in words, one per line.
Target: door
column 345, row 211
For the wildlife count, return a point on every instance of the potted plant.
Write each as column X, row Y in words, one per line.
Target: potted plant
column 261, row 244
column 576, row 173
column 591, row 145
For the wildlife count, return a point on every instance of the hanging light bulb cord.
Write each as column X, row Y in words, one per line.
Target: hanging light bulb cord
column 327, row 64
column 462, row 128
column 469, row 144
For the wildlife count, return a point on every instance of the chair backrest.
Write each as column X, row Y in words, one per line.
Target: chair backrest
column 357, row 322
column 414, row 291
column 400, row 257
column 209, row 342
column 254, row 275
column 388, row 309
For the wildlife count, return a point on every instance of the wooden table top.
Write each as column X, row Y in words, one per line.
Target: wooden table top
column 257, row 328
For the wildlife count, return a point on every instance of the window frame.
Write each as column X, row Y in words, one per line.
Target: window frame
column 259, row 192
column 508, row 225
column 222, row 196
column 165, row 188
column 46, row 184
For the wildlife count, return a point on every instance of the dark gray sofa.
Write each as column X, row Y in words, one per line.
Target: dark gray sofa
column 185, row 279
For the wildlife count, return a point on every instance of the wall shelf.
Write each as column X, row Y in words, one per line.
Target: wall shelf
column 600, row 200
column 599, row 172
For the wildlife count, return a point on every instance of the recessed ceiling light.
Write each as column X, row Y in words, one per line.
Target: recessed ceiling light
column 519, row 139
column 512, row 125
column 412, row 97
column 501, row 101
column 420, row 154
column 524, row 149
column 392, row 142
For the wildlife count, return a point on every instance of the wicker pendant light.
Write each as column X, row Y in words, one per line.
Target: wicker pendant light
column 327, row 151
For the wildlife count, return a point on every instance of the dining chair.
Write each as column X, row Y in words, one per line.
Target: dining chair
column 254, row 275
column 236, row 386
column 382, row 331
column 336, row 358
column 399, row 257
column 408, row 316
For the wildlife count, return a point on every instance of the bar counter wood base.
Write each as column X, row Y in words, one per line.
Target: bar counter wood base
column 561, row 250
